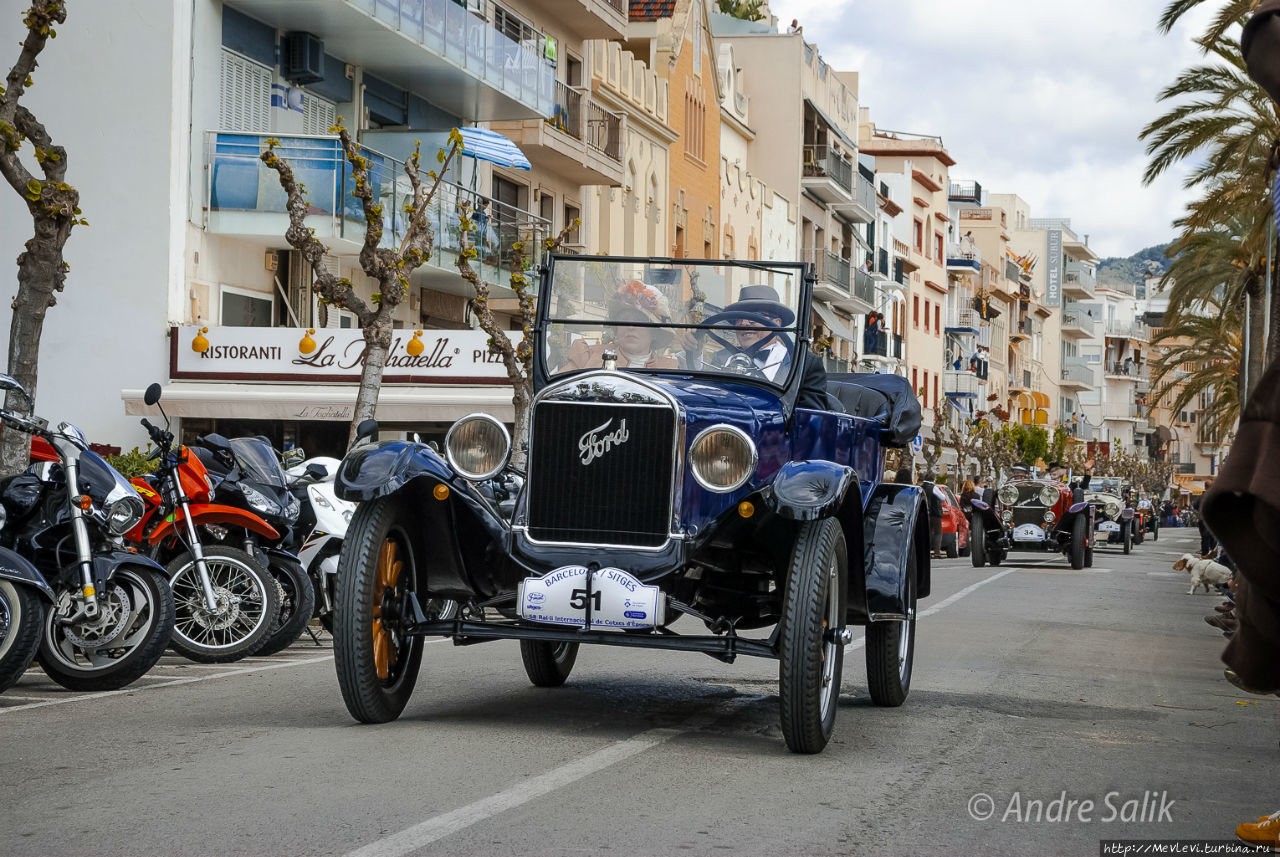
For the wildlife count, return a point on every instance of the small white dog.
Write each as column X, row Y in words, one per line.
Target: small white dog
column 1203, row 572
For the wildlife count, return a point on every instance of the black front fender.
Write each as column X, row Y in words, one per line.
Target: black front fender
column 14, row 567
column 379, row 469
column 106, row 564
column 808, row 490
column 894, row 519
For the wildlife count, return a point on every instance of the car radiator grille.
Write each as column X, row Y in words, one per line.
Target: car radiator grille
column 621, row 495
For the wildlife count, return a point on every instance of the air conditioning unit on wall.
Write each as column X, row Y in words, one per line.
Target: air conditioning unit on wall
column 302, row 58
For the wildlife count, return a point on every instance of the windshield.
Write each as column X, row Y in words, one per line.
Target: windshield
column 258, row 460
column 729, row 319
column 106, row 485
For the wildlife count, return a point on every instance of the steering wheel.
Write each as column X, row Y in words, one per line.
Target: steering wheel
column 740, row 359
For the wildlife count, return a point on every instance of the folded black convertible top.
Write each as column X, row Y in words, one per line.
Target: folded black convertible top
column 888, row 399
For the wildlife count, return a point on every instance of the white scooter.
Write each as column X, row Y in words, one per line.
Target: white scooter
column 321, row 527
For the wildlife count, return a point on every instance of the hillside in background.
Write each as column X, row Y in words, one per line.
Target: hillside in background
column 1131, row 270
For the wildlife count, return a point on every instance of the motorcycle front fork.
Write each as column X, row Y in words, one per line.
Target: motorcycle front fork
column 202, row 567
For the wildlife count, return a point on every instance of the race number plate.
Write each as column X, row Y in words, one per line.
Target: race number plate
column 1028, row 533
column 616, row 599
column 1108, row 527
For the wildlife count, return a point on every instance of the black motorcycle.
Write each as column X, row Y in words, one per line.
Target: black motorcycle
column 247, row 475
column 110, row 611
column 23, row 596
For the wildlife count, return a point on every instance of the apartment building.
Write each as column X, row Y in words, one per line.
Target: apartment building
column 916, row 170
column 203, row 234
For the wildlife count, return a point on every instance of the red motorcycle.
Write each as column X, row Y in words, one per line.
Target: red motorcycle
column 227, row 602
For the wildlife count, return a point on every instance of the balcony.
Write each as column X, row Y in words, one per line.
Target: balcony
column 243, row 199
column 1185, row 467
column 1134, row 330
column 1077, row 323
column 963, row 321
column 960, row 384
column 1077, row 376
column 580, row 142
column 827, row 175
column 1079, row 281
column 1127, row 370
column 965, row 191
column 584, row 19
column 963, row 256
column 835, row 275
column 864, row 292
column 1120, row 411
column 863, row 208
column 1142, row 426
column 452, row 52
column 887, row 348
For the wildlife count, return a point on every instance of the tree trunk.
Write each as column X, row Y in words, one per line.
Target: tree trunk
column 521, row 398
column 377, row 344
column 38, row 271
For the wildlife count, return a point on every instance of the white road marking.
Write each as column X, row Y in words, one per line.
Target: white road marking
column 438, row 827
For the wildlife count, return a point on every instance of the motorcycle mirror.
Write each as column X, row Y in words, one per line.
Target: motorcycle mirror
column 152, row 395
column 367, row 428
column 7, row 382
column 317, row 471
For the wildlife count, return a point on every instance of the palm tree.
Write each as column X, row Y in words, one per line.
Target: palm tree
column 1210, row 340
column 1230, row 13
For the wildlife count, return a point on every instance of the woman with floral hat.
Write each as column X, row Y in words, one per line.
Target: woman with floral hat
column 637, row 347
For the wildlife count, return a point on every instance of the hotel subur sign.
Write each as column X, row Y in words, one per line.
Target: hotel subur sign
column 331, row 354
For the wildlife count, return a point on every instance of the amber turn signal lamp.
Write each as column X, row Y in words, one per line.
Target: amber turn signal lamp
column 85, row 502
column 745, row 509
column 441, row 492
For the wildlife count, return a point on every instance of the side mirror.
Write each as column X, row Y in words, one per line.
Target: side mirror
column 366, row 429
column 152, row 395
column 317, row 471
column 9, row 383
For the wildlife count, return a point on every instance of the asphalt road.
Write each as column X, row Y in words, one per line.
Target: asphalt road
column 1031, row 682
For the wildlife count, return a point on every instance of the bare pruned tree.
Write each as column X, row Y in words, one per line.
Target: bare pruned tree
column 54, row 207
column 390, row 267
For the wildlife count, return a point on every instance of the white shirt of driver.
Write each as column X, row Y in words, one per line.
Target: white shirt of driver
column 770, row 358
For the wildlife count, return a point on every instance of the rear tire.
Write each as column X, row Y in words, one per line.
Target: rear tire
column 548, row 664
column 296, row 606
column 949, row 545
column 978, row 539
column 891, row 648
column 21, row 624
column 377, row 665
column 1076, row 554
column 810, row 659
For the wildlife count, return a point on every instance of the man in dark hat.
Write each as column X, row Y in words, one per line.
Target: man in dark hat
column 772, row 351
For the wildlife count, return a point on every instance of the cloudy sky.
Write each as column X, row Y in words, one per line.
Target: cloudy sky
column 1043, row 99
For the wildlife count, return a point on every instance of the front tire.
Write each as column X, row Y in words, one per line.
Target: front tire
column 811, row 658
column 891, row 647
column 377, row 663
column 297, row 603
column 248, row 606
column 1077, row 542
column 1128, row 537
column 548, row 664
column 21, row 625
column 134, row 623
column 978, row 540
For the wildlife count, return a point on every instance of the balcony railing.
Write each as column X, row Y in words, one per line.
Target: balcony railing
column 1119, row 411
column 604, row 131
column 512, row 59
column 1129, row 330
column 963, row 319
column 830, row 268
column 1080, row 278
column 966, row 191
column 240, row 188
column 566, row 114
column 864, row 287
column 1078, row 316
column 1128, row 370
column 1011, row 271
column 959, row 383
column 823, row 161
column 865, row 194
column 1078, row 372
column 886, row 345
column 964, row 253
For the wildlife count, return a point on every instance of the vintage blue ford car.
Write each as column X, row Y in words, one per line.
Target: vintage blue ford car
column 691, row 476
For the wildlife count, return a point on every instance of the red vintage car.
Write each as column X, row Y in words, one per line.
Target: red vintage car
column 955, row 526
column 1036, row 515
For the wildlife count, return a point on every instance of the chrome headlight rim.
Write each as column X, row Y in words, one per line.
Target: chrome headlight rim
column 1008, row 494
column 1049, row 517
column 1111, row 510
column 123, row 515
column 1048, row 495
column 502, row 459
column 1007, row 516
column 747, row 472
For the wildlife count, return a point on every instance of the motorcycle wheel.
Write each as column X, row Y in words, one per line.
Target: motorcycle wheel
column 248, row 605
column 21, row 620
column 134, row 623
column 297, row 603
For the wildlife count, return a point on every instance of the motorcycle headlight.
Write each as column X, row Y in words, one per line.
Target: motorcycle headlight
column 291, row 508
column 124, row 514
column 259, row 501
column 1007, row 515
column 1048, row 495
column 477, row 446
column 722, row 458
column 1112, row 510
column 1048, row 517
column 1008, row 494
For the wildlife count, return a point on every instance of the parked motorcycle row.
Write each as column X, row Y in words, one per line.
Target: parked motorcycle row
column 220, row 553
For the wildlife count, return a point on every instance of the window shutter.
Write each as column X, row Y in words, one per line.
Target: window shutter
column 318, row 115
column 246, row 95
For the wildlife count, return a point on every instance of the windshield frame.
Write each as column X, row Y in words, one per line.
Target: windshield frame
column 800, row 329
column 251, row 454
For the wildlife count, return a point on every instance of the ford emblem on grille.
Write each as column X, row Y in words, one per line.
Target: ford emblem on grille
column 594, row 444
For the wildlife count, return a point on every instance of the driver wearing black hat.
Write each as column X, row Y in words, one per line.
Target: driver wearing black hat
column 772, row 351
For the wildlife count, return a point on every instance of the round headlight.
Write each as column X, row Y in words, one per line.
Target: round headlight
column 1112, row 510
column 1008, row 494
column 477, row 446
column 1048, row 495
column 1048, row 517
column 123, row 515
column 722, row 458
column 1007, row 515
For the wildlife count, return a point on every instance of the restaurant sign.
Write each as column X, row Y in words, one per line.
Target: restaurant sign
column 286, row 354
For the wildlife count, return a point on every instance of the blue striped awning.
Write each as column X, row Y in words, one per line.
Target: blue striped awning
column 485, row 145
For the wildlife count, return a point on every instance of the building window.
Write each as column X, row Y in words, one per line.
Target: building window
column 318, row 115
column 245, row 100
column 925, row 395
column 919, row 236
column 935, row 390
column 571, row 213
column 926, row 315
column 915, row 382
column 915, row 310
column 937, row 246
column 697, row 49
column 244, row 308
column 695, row 113
column 937, row 318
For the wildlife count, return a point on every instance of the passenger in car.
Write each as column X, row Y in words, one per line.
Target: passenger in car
column 637, row 347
